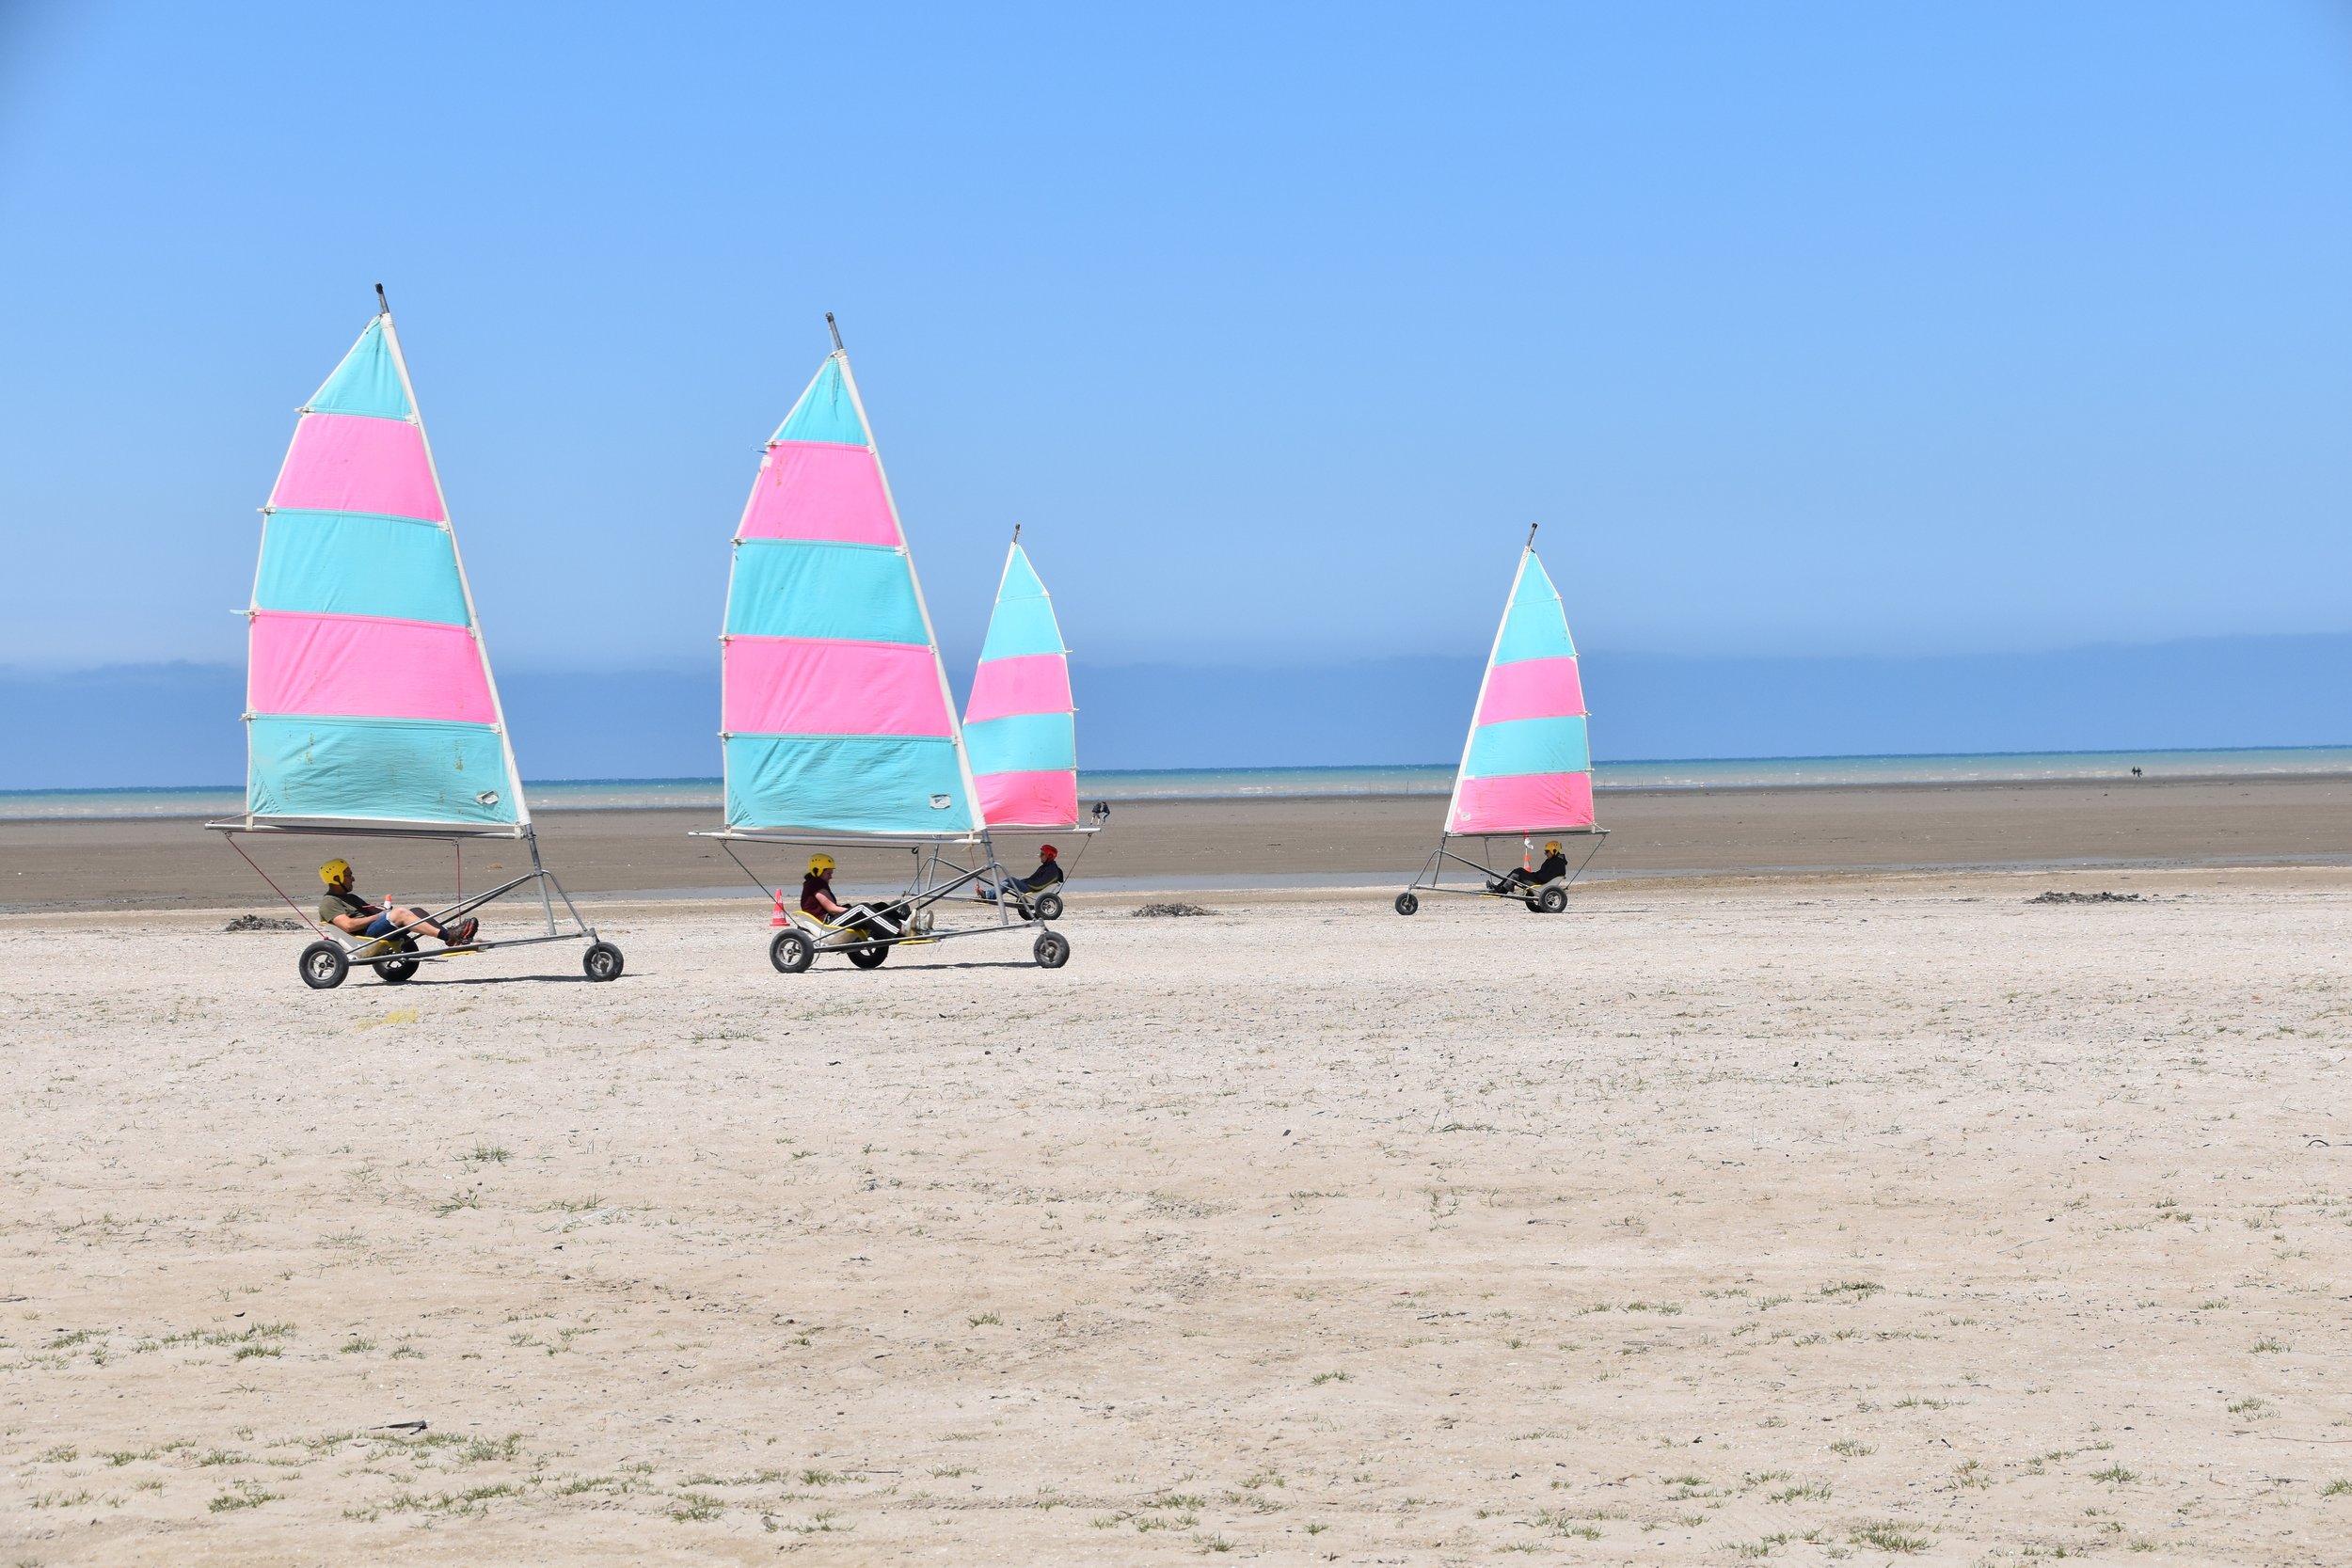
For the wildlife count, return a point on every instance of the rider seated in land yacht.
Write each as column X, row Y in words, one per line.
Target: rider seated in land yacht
column 1048, row 873
column 354, row 915
column 1554, row 867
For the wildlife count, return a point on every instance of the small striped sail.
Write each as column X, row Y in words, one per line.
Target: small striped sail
column 1528, row 764
column 368, row 694
column 835, row 711
column 1020, row 726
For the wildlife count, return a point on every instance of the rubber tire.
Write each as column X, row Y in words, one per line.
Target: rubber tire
column 1552, row 901
column 395, row 971
column 1406, row 903
column 792, row 952
column 870, row 956
column 1048, row 906
column 1051, row 951
column 602, row 962
column 324, row 965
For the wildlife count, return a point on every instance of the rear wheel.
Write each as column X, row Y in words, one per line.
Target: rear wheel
column 1048, row 906
column 1406, row 903
column 1052, row 950
column 1552, row 901
column 396, row 971
column 792, row 952
column 324, row 966
column 602, row 961
column 870, row 956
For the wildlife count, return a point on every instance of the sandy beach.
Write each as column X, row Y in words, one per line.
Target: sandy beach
column 1865, row 1218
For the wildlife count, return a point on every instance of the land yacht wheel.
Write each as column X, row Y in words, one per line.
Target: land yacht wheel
column 324, row 966
column 792, row 952
column 602, row 961
column 395, row 971
column 1406, row 903
column 870, row 956
column 1048, row 906
column 1552, row 901
column 1052, row 950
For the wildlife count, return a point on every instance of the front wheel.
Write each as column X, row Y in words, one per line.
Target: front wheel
column 601, row 963
column 870, row 956
column 1048, row 906
column 324, row 966
column 1052, row 950
column 1406, row 903
column 1552, row 901
column 792, row 952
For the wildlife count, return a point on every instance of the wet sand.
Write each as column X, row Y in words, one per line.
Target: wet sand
column 165, row 865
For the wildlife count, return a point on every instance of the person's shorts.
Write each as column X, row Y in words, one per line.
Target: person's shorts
column 381, row 924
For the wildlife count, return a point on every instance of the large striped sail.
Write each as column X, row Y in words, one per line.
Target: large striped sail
column 1528, row 764
column 1021, row 725
column 836, row 713
column 368, row 695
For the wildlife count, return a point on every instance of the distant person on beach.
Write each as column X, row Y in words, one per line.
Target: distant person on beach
column 1554, row 867
column 1047, row 874
column 816, row 889
column 347, row 911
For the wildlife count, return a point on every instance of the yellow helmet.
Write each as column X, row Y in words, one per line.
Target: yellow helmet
column 819, row 865
column 334, row 871
column 1552, row 847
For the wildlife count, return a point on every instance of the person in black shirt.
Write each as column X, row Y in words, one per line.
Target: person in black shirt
column 1555, row 867
column 1048, row 873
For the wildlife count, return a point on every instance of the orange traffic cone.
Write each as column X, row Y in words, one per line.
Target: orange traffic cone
column 781, row 919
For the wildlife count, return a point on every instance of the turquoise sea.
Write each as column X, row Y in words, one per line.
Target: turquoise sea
column 1214, row 783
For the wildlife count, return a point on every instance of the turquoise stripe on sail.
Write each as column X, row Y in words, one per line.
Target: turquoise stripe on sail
column 356, row 563
column 1529, row 746
column 1022, row 626
column 801, row 587
column 1023, row 743
column 367, row 382
column 1535, row 626
column 825, row 412
column 888, row 785
column 410, row 770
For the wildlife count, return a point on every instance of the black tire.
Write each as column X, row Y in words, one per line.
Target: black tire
column 602, row 961
column 1047, row 906
column 792, row 952
column 324, row 965
column 1052, row 950
column 1552, row 901
column 870, row 956
column 1406, row 903
column 395, row 971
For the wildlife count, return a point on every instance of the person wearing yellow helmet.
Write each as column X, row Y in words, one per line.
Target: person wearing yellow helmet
column 1554, row 867
column 348, row 912
column 816, row 889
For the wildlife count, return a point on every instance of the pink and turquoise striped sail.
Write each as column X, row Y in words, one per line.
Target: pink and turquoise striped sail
column 1528, row 765
column 1020, row 726
column 368, row 695
column 836, row 717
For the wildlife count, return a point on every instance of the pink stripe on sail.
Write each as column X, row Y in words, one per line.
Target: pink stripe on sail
column 356, row 667
column 1029, row 800
column 819, row 490
column 1522, row 802
column 355, row 463
column 1026, row 683
column 805, row 686
column 1533, row 689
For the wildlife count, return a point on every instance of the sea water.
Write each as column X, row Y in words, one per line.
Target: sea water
column 1232, row 783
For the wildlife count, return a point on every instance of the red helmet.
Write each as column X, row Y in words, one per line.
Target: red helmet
column 1047, row 851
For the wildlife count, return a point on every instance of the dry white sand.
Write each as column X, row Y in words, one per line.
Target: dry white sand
column 1882, row 1221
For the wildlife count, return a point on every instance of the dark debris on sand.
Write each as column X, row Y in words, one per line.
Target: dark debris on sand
column 1155, row 911
column 261, row 922
column 2085, row 899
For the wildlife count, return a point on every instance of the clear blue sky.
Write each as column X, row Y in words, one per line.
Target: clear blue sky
column 1804, row 328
